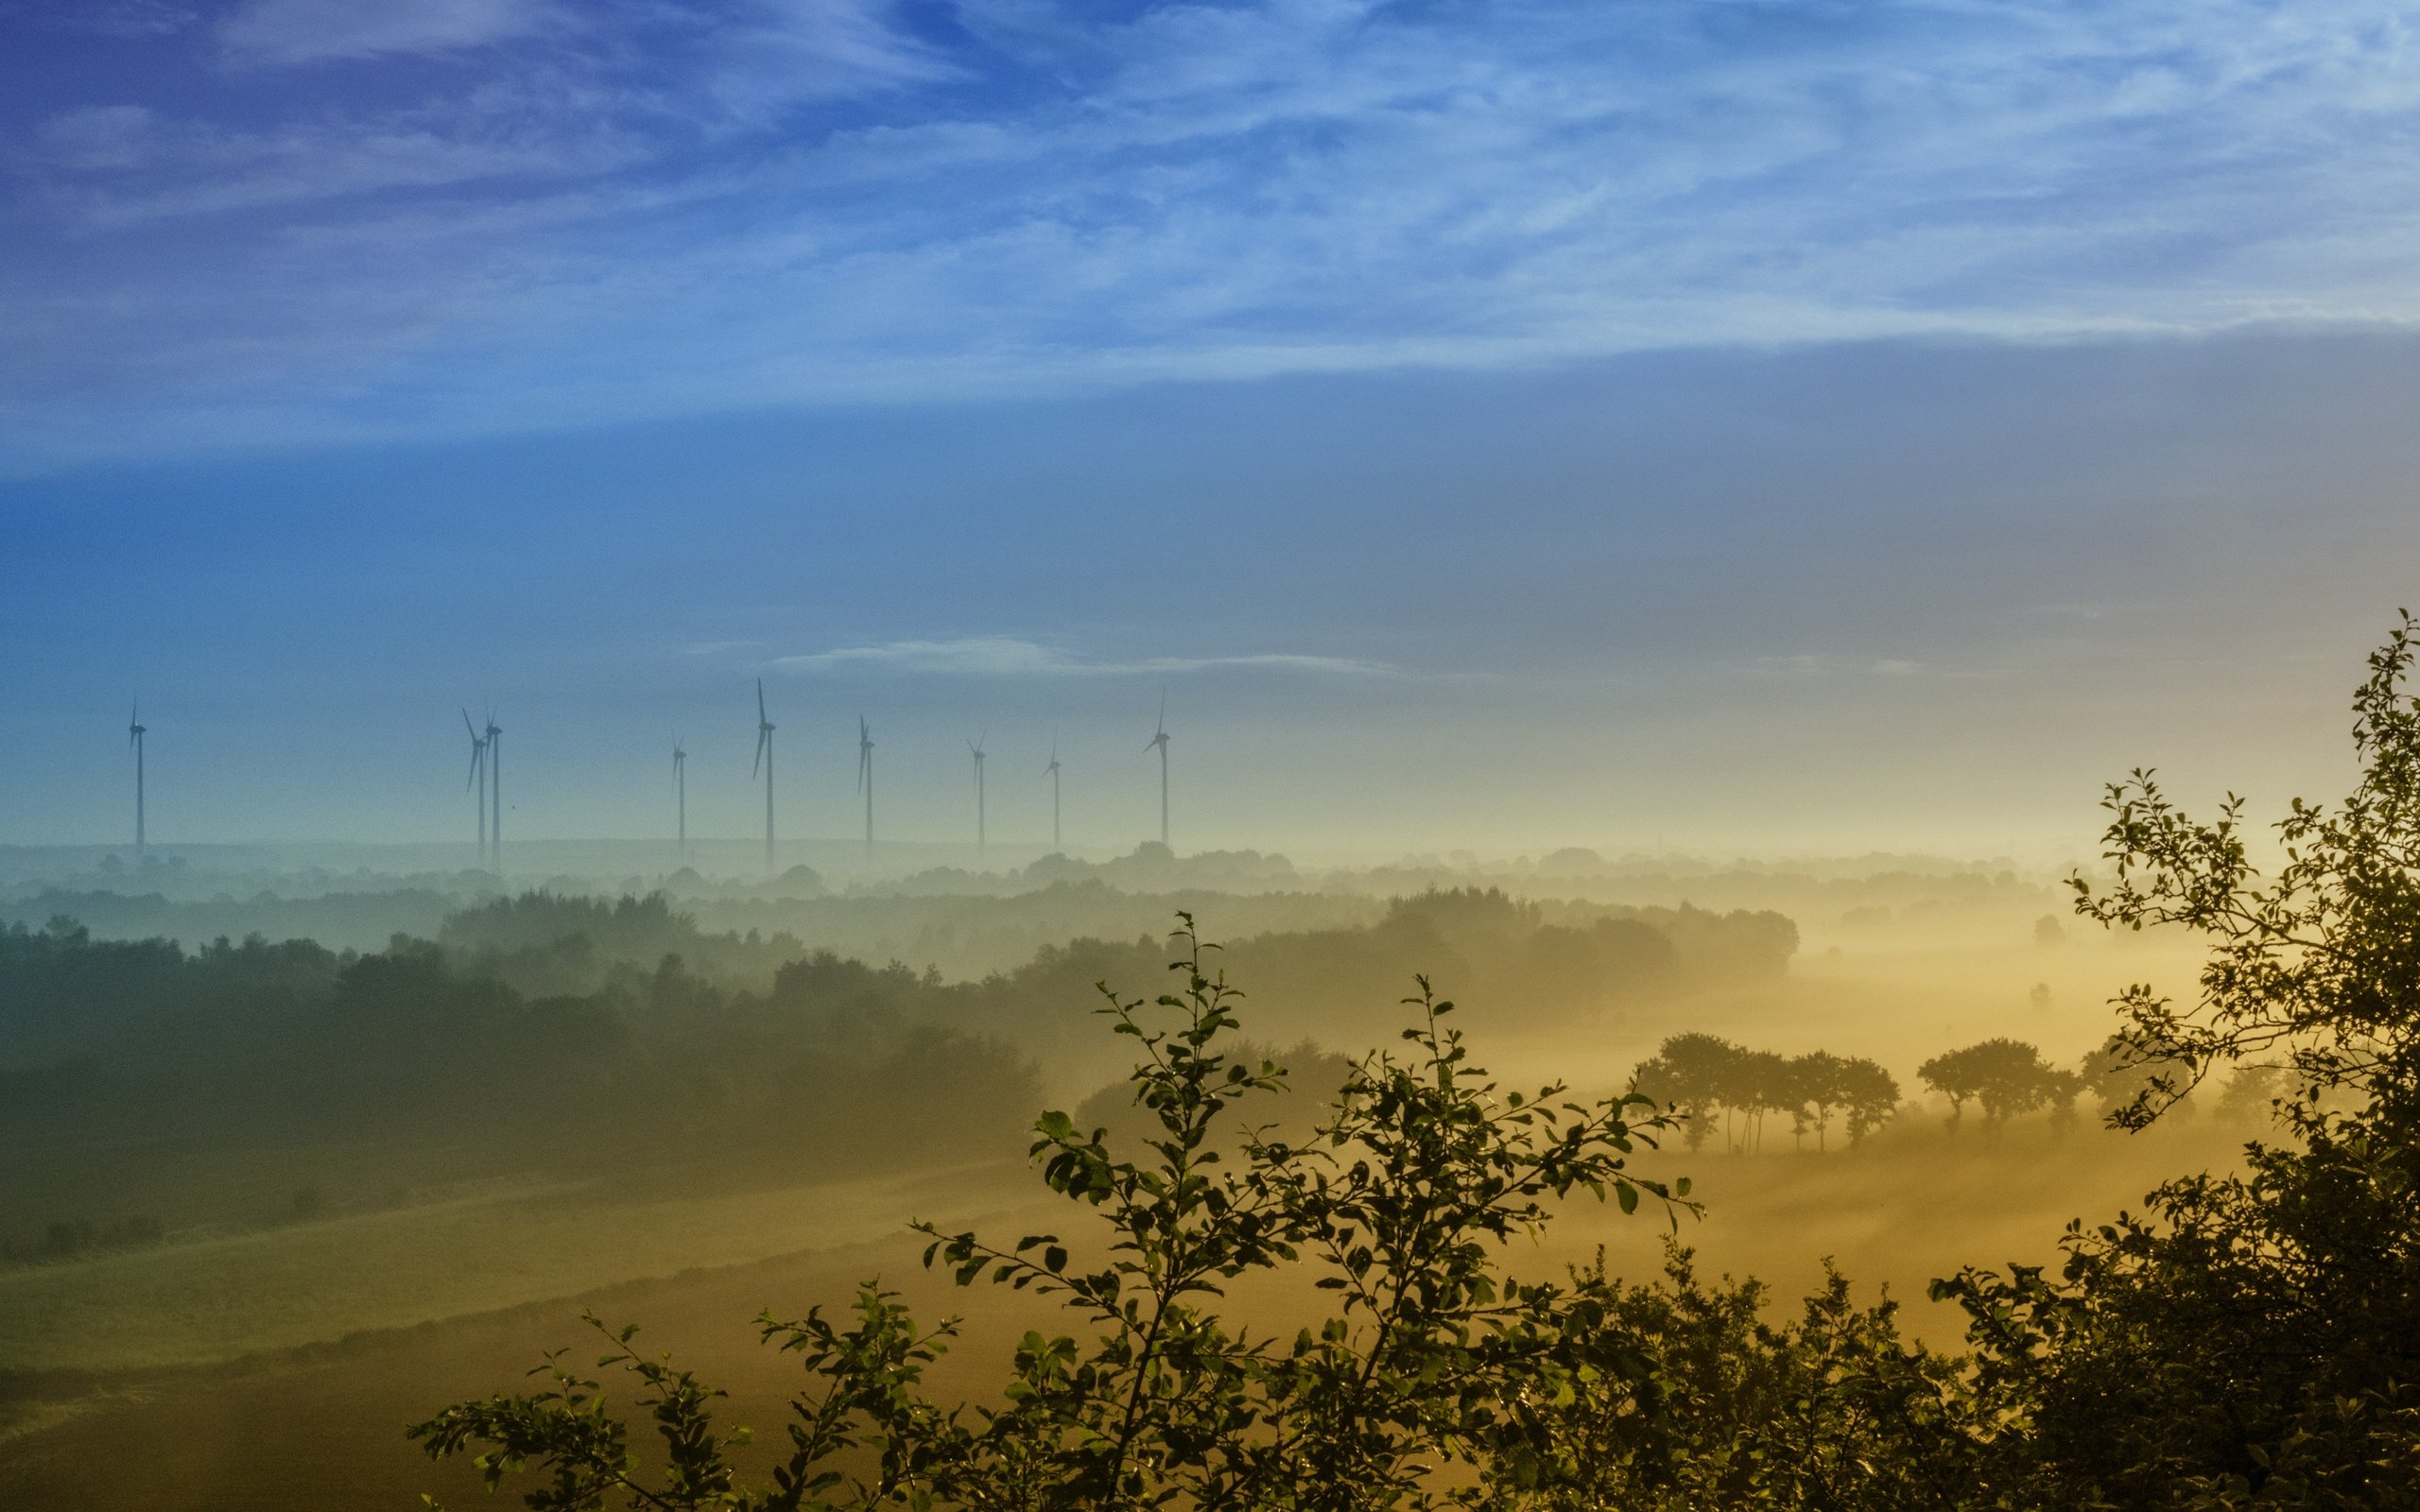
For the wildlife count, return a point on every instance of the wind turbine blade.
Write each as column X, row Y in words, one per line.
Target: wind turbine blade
column 759, row 762
column 760, row 700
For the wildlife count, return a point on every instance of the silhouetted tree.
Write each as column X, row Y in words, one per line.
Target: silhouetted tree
column 1695, row 1075
column 1869, row 1097
column 2006, row 1078
column 2254, row 1339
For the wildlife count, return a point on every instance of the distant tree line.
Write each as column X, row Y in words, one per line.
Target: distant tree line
column 834, row 1067
column 527, row 1024
column 1712, row 1083
column 363, row 920
column 74, row 1238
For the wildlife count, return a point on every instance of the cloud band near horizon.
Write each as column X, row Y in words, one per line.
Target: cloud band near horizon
column 1008, row 657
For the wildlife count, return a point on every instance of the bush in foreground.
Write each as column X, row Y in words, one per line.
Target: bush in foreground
column 1431, row 1359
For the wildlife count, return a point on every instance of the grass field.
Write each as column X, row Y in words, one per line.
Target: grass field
column 207, row 1300
column 318, row 1429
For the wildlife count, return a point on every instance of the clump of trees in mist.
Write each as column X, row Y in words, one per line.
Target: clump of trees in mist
column 2004, row 1079
column 1710, row 1082
column 2248, row 1341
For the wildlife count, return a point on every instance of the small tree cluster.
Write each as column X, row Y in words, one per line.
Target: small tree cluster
column 1709, row 1081
column 2005, row 1078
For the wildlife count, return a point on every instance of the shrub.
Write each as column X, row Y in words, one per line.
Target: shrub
column 1397, row 1207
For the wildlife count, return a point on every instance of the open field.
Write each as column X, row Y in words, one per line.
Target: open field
column 320, row 1427
column 215, row 1299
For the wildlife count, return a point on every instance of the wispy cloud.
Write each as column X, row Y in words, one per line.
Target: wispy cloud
column 669, row 208
column 136, row 167
column 312, row 31
column 1827, row 664
column 770, row 56
column 133, row 19
column 1008, row 657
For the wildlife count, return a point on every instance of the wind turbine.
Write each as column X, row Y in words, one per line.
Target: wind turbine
column 865, row 777
column 764, row 759
column 1160, row 739
column 1052, row 772
column 977, row 746
column 495, row 793
column 478, row 779
column 134, row 733
column 681, row 788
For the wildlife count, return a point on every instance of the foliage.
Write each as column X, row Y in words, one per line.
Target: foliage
column 1686, row 1398
column 1397, row 1211
column 2116, row 1079
column 2318, row 967
column 2253, row 1340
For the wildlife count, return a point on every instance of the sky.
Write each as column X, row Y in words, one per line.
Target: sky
column 1714, row 426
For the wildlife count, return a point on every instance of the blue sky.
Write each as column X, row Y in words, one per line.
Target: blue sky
column 1726, row 423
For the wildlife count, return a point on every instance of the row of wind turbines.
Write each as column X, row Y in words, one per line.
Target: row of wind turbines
column 486, row 781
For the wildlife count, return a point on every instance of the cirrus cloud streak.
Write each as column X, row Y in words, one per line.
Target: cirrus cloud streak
column 1009, row 656
column 497, row 218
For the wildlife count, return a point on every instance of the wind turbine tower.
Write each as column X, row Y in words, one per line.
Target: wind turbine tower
column 680, row 796
column 865, row 777
column 134, row 733
column 1052, row 770
column 977, row 746
column 495, row 793
column 764, row 759
column 1160, row 739
column 476, row 783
